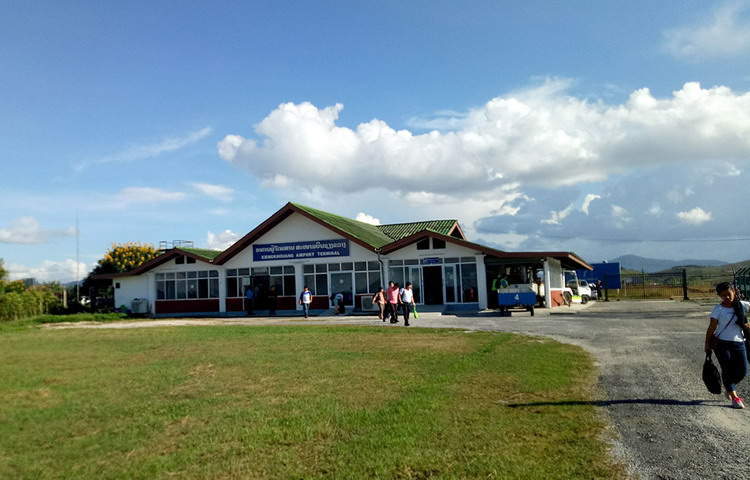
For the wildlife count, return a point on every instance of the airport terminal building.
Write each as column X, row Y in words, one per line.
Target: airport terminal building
column 301, row 246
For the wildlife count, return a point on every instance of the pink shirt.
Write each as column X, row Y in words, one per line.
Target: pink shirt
column 392, row 295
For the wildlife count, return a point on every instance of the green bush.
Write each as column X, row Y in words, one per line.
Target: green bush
column 80, row 317
column 16, row 304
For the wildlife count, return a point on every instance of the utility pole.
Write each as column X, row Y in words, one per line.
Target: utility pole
column 78, row 263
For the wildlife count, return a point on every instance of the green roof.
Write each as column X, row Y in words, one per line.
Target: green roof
column 202, row 252
column 397, row 231
column 370, row 234
column 378, row 235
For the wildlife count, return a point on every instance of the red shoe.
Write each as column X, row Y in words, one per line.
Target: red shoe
column 737, row 403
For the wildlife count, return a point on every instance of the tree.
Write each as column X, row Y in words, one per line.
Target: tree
column 119, row 258
column 3, row 271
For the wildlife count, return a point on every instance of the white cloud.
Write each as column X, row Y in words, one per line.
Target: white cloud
column 150, row 150
column 655, row 209
column 538, row 136
column 363, row 217
column 587, row 202
column 696, row 216
column 725, row 34
column 219, row 192
column 556, row 218
column 221, row 240
column 27, row 230
column 49, row 271
column 145, row 195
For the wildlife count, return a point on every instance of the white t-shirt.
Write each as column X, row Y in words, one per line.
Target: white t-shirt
column 407, row 295
column 727, row 328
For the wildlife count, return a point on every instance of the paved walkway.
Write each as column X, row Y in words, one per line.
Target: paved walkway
column 650, row 354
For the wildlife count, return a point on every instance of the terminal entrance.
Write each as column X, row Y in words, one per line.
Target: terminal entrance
column 433, row 285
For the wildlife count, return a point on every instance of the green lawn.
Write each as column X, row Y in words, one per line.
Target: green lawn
column 295, row 402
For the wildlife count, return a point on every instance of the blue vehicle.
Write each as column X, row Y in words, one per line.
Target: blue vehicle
column 516, row 296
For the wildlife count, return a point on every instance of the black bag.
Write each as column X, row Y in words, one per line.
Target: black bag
column 711, row 376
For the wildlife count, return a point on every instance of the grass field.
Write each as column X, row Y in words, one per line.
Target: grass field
column 295, row 402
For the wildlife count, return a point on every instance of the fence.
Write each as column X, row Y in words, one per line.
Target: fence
column 682, row 285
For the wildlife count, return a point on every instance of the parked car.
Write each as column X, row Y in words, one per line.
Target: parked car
column 594, row 291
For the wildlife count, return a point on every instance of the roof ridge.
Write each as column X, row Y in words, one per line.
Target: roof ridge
column 418, row 221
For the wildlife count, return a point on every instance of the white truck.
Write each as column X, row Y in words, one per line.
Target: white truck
column 579, row 290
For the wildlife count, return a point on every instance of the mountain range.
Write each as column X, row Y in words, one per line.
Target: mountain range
column 651, row 265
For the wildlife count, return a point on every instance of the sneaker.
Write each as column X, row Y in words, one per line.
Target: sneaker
column 738, row 403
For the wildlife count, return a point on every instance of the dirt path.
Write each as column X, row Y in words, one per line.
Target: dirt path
column 650, row 356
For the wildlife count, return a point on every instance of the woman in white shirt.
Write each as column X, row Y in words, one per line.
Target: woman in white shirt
column 407, row 300
column 726, row 338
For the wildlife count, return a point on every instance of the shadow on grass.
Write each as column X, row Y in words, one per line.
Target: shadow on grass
column 632, row 401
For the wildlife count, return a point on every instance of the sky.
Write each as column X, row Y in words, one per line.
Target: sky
column 603, row 128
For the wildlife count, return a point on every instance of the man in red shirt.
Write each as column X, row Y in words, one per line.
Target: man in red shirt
column 392, row 295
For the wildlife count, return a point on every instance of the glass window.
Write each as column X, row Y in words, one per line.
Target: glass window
column 309, row 281
column 278, row 282
column 180, row 289
column 160, row 290
column 289, row 269
column 203, row 274
column 203, row 288
column 469, row 282
column 192, row 287
column 181, row 275
column 275, row 270
column 231, row 272
column 321, row 267
column 321, row 284
column 189, row 260
column 160, row 276
column 260, row 271
column 179, row 260
column 347, row 266
column 395, row 262
column 334, row 267
column 308, row 268
column 411, row 262
column 423, row 244
column 360, row 282
column 396, row 275
column 373, row 265
column 375, row 282
column 468, row 260
column 290, row 285
column 170, row 276
column 360, row 266
column 243, row 271
column 213, row 273
column 232, row 287
column 213, row 288
column 452, row 260
column 438, row 243
column 192, row 274
column 170, row 289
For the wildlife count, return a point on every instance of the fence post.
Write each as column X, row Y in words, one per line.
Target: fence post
column 684, row 285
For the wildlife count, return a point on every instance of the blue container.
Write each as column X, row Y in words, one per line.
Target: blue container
column 526, row 299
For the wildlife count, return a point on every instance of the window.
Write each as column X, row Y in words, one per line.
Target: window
column 190, row 285
column 282, row 279
column 117, row 284
column 189, row 260
column 438, row 243
column 469, row 283
column 179, row 260
column 423, row 244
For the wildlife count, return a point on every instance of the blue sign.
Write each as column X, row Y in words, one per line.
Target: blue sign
column 432, row 261
column 608, row 273
column 297, row 250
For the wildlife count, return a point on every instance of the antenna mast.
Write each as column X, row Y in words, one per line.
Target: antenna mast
column 78, row 264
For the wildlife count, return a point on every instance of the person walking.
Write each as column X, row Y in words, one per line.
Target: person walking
column 305, row 299
column 379, row 300
column 392, row 295
column 407, row 301
column 250, row 301
column 725, row 337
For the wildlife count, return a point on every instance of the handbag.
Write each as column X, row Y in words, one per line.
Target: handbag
column 711, row 376
column 416, row 314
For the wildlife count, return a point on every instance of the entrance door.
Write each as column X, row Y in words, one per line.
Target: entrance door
column 415, row 277
column 261, row 284
column 451, row 287
column 433, row 285
column 341, row 282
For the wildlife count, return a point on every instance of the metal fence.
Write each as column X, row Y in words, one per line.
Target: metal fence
column 681, row 284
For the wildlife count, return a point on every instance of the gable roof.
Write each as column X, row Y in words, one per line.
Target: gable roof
column 372, row 235
column 397, row 231
column 200, row 254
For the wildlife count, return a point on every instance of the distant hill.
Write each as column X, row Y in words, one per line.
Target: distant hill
column 650, row 265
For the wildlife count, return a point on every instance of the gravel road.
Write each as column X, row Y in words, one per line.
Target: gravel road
column 650, row 355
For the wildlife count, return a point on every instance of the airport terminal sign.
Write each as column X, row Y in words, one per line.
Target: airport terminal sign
column 301, row 250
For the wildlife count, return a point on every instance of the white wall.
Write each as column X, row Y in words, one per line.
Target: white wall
column 130, row 288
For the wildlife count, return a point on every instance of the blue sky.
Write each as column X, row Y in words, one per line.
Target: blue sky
column 165, row 120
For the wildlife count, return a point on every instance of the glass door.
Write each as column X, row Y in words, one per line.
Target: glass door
column 341, row 282
column 450, row 281
column 415, row 277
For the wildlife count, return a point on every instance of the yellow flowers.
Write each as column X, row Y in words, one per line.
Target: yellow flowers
column 127, row 256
